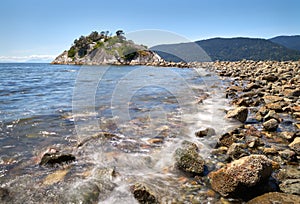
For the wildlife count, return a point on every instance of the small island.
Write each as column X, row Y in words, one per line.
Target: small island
column 102, row 49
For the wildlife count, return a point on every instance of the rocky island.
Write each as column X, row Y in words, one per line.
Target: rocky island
column 102, row 49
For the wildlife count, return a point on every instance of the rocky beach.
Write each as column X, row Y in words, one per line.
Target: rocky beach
column 265, row 97
column 258, row 161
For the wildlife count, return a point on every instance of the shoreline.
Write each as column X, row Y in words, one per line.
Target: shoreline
column 261, row 155
column 265, row 98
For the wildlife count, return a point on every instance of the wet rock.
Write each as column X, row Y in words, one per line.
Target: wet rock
column 236, row 151
column 155, row 141
column 287, row 135
column 55, row 177
column 52, row 159
column 272, row 114
column 4, row 194
column 271, row 125
column 93, row 138
column 240, row 113
column 295, row 145
column 253, row 142
column 275, row 197
column 85, row 192
column 220, row 150
column 188, row 159
column 226, row 140
column 244, row 102
column 291, row 186
column 242, row 175
column 205, row 132
column 287, row 155
column 143, row 194
column 92, row 190
column 263, row 110
column 289, row 172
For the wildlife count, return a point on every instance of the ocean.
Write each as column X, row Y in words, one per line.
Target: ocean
column 150, row 110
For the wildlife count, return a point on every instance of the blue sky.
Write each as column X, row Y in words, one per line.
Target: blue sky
column 35, row 29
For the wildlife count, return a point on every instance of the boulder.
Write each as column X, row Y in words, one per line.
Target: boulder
column 240, row 113
column 271, row 125
column 295, row 145
column 275, row 197
column 188, row 159
column 205, row 132
column 237, row 177
column 143, row 194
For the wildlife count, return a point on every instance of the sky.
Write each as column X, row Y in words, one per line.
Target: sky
column 40, row 30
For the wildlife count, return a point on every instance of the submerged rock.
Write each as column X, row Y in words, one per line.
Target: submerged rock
column 240, row 113
column 188, row 159
column 55, row 177
column 236, row 179
column 52, row 159
column 96, row 188
column 205, row 132
column 4, row 195
column 143, row 194
column 275, row 197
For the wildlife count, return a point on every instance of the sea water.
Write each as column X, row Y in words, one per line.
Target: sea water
column 149, row 110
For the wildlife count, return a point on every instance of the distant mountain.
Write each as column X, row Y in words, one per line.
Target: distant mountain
column 291, row 42
column 226, row 49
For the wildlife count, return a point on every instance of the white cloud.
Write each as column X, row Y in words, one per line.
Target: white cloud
column 31, row 58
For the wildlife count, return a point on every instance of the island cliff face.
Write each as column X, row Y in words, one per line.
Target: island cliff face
column 101, row 49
